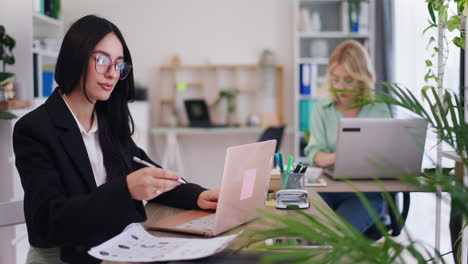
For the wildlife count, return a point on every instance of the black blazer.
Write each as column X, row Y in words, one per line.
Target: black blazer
column 62, row 205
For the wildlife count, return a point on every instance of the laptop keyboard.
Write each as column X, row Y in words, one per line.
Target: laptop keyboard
column 203, row 223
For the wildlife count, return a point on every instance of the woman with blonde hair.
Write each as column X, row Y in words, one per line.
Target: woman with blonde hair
column 349, row 77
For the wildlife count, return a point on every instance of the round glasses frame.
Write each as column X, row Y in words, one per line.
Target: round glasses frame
column 103, row 68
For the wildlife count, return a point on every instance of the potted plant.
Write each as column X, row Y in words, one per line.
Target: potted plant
column 7, row 44
column 230, row 97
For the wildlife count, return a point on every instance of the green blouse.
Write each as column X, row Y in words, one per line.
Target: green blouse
column 324, row 125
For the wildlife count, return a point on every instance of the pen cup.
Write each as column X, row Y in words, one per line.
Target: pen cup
column 292, row 180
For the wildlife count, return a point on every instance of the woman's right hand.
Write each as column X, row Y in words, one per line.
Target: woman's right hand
column 148, row 183
column 324, row 159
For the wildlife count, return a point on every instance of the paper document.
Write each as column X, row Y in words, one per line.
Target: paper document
column 312, row 177
column 135, row 244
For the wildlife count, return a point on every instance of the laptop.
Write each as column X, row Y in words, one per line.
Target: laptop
column 198, row 114
column 243, row 192
column 378, row 148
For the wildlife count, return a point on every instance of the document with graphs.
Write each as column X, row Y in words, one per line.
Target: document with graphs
column 135, row 244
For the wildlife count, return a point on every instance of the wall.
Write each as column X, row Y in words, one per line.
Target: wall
column 199, row 31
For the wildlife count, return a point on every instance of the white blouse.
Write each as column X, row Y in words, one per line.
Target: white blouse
column 91, row 141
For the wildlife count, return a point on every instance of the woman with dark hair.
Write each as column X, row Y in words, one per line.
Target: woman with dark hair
column 74, row 153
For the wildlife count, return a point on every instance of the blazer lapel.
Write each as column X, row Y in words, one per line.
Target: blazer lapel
column 71, row 137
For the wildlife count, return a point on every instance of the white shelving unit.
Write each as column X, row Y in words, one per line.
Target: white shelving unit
column 44, row 27
column 334, row 28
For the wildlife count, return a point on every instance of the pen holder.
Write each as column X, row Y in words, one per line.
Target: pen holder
column 292, row 180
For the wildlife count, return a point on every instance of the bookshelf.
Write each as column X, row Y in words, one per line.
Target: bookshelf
column 47, row 37
column 259, row 92
column 318, row 27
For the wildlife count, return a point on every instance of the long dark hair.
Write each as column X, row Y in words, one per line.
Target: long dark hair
column 114, row 119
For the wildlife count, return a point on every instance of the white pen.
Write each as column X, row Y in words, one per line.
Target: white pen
column 144, row 162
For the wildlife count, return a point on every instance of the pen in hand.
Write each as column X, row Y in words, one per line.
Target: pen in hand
column 143, row 162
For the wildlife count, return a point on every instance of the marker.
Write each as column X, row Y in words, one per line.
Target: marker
column 290, row 162
column 144, row 162
column 298, row 167
column 303, row 170
column 280, row 161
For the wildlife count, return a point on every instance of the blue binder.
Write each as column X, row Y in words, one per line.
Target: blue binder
column 305, row 78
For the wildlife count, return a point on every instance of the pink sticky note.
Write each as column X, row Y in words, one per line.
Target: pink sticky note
column 248, row 184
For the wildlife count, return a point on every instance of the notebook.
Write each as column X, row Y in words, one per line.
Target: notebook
column 378, row 148
column 243, row 192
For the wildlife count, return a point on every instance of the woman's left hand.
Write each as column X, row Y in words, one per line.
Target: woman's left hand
column 208, row 199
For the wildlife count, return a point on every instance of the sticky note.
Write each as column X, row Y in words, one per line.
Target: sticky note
column 248, row 184
column 181, row 87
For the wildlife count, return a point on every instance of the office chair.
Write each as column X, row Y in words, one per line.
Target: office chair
column 390, row 220
column 273, row 133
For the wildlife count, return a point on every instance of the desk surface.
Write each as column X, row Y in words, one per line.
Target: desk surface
column 364, row 186
column 158, row 211
column 335, row 186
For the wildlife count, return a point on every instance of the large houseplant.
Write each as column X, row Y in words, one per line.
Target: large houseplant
column 7, row 44
column 445, row 115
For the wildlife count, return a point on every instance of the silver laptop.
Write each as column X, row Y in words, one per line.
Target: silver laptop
column 242, row 193
column 378, row 148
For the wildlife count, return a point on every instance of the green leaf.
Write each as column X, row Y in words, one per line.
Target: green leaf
column 430, row 7
column 443, row 16
column 431, row 40
column 459, row 42
column 5, row 75
column 453, row 22
column 6, row 115
column 427, row 76
column 429, row 27
column 428, row 63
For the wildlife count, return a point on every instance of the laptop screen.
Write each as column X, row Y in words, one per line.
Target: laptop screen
column 197, row 113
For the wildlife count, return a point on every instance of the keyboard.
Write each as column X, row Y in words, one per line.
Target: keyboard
column 202, row 223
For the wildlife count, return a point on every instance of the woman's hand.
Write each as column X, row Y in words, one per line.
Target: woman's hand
column 147, row 183
column 324, row 159
column 208, row 199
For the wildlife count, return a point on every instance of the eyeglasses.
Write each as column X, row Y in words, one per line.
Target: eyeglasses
column 345, row 81
column 104, row 64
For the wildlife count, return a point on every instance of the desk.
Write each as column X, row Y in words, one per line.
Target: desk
column 157, row 211
column 391, row 185
column 334, row 186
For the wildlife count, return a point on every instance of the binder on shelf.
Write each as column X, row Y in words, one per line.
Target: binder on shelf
column 305, row 110
column 47, row 82
column 35, row 75
column 305, row 78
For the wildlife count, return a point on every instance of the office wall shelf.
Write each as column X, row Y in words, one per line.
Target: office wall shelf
column 41, row 20
column 312, row 46
column 47, row 37
column 177, row 83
